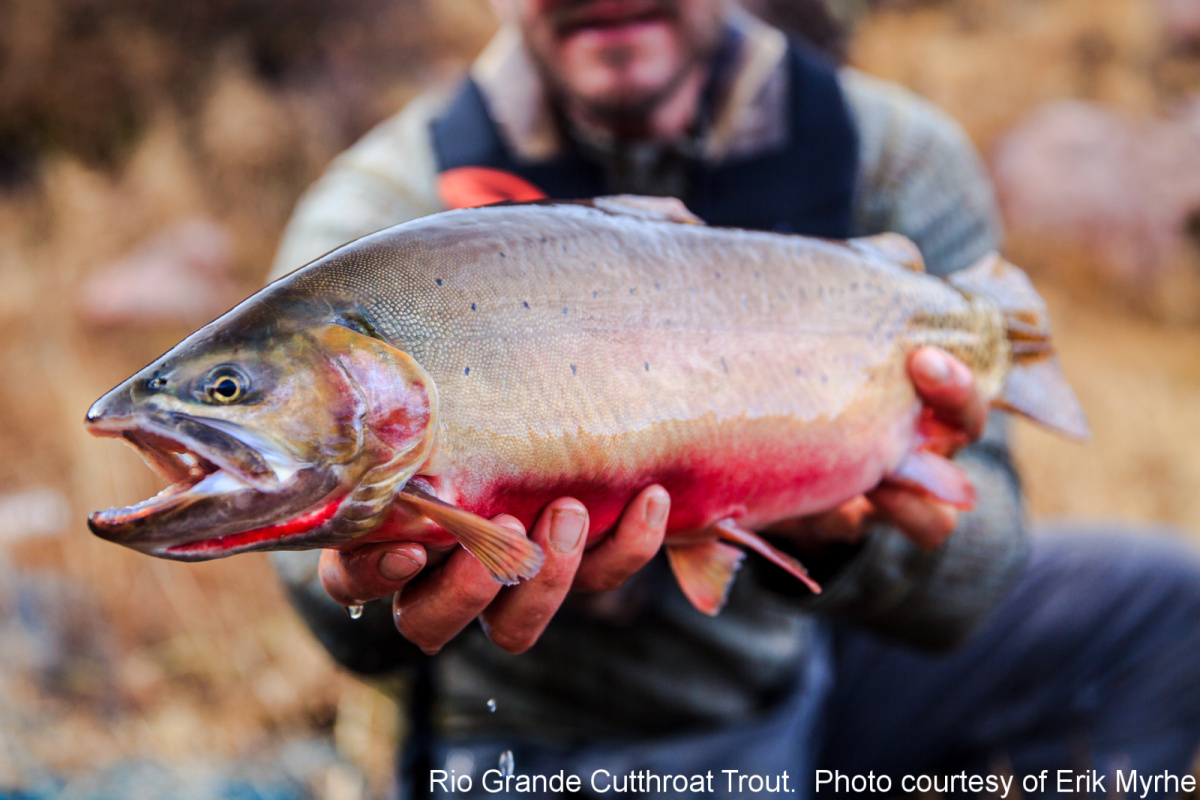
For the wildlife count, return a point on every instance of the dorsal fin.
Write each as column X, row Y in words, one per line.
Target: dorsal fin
column 662, row 209
column 893, row 247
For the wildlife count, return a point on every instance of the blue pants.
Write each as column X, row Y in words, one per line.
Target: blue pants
column 1091, row 663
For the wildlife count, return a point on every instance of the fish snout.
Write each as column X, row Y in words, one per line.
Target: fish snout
column 111, row 414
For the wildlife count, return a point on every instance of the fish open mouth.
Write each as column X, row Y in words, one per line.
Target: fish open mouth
column 172, row 460
column 226, row 488
column 187, row 454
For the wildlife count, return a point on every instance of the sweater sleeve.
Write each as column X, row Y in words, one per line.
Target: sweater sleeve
column 919, row 175
column 385, row 179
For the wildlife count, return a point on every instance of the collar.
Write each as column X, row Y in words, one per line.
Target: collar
column 749, row 118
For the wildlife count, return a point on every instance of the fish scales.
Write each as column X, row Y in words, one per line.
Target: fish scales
column 688, row 345
column 415, row 383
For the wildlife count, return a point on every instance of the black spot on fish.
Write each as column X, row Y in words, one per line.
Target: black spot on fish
column 724, row 366
column 572, row 369
column 467, row 371
column 647, row 366
column 526, row 304
column 564, row 311
column 472, row 306
column 503, row 256
column 631, row 290
column 438, row 281
column 564, row 248
column 543, row 240
column 656, row 286
column 594, row 294
column 718, row 276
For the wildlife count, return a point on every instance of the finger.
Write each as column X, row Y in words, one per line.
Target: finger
column 370, row 572
column 638, row 536
column 947, row 387
column 843, row 524
column 519, row 614
column 924, row 520
column 436, row 609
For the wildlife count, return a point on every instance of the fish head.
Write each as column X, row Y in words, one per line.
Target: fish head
column 271, row 436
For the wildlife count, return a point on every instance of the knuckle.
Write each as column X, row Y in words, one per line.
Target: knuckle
column 512, row 643
column 421, row 637
column 946, row 522
column 606, row 582
column 478, row 593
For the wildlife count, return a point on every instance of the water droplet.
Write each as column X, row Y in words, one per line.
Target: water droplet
column 492, row 705
column 355, row 612
column 506, row 764
column 460, row 761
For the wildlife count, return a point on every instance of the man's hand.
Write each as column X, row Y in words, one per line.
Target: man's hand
column 433, row 610
column 947, row 388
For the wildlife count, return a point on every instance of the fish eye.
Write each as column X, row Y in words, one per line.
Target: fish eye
column 226, row 385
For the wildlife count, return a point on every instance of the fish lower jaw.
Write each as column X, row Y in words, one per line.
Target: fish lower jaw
column 278, row 536
column 168, row 498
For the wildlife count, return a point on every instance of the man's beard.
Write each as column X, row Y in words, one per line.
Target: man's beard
column 627, row 113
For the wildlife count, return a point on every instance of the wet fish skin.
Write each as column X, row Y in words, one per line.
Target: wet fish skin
column 565, row 349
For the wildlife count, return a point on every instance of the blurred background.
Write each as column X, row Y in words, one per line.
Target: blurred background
column 150, row 153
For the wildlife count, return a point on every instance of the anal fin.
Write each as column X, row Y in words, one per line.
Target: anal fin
column 732, row 532
column 508, row 555
column 936, row 475
column 705, row 572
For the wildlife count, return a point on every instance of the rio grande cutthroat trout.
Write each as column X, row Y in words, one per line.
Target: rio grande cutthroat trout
column 418, row 381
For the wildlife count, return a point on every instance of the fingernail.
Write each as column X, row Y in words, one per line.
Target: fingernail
column 398, row 566
column 657, row 507
column 566, row 529
column 934, row 368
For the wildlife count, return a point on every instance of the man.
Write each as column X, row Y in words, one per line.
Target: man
column 599, row 664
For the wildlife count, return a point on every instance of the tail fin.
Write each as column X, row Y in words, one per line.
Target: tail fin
column 1036, row 386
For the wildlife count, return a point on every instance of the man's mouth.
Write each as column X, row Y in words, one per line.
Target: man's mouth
column 610, row 14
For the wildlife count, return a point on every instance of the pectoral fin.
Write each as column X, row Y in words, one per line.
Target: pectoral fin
column 937, row 476
column 705, row 572
column 730, row 531
column 508, row 555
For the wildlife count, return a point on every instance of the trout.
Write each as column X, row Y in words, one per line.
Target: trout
column 415, row 383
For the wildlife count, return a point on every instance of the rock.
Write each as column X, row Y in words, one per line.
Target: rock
column 1181, row 20
column 181, row 275
column 1123, row 193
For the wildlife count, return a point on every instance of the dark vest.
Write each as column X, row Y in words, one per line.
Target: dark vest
column 804, row 186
